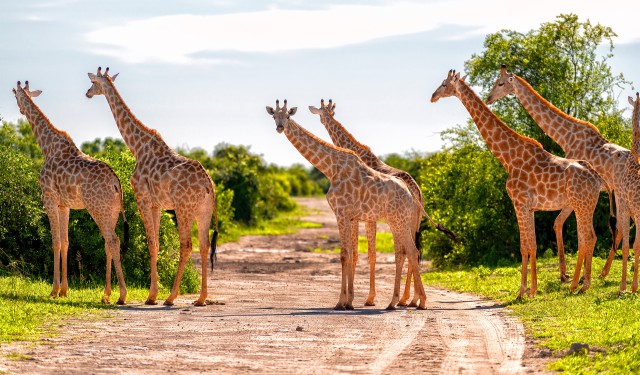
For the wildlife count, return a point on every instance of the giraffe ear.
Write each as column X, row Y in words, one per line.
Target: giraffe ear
column 113, row 77
column 465, row 77
column 35, row 93
column 293, row 111
column 314, row 110
column 270, row 111
column 92, row 77
column 631, row 101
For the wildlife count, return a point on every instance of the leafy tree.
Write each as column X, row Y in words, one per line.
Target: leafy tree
column 25, row 239
column 98, row 146
column 561, row 61
column 19, row 137
column 465, row 185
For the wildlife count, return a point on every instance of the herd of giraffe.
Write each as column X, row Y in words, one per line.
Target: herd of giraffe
column 363, row 188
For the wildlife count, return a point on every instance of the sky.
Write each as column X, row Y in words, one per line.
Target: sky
column 201, row 72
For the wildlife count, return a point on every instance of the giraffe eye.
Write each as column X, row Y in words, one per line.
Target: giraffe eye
column 501, row 84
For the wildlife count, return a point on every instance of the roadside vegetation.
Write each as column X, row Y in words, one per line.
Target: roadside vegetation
column 566, row 60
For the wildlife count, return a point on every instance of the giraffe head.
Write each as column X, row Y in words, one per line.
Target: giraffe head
column 449, row 86
column 22, row 93
column 99, row 81
column 324, row 111
column 502, row 87
column 634, row 103
column 281, row 115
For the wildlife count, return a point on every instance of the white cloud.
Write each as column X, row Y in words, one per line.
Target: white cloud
column 176, row 38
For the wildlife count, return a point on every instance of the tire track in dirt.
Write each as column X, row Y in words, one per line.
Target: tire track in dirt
column 274, row 316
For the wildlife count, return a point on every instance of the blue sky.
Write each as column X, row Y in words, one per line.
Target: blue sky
column 201, row 72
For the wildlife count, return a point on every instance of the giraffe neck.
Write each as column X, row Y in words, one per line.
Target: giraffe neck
column 342, row 138
column 52, row 141
column 507, row 145
column 318, row 152
column 635, row 123
column 576, row 137
column 139, row 138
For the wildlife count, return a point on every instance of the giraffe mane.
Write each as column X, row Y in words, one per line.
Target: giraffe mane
column 60, row 132
column 350, row 136
column 496, row 118
column 553, row 108
column 323, row 142
column 126, row 108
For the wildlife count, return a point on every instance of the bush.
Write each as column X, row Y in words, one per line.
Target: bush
column 25, row 239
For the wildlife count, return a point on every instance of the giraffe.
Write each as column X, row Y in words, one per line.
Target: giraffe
column 537, row 181
column 342, row 138
column 579, row 140
column 162, row 179
column 630, row 181
column 357, row 193
column 69, row 179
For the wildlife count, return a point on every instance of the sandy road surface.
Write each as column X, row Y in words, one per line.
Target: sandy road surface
column 274, row 315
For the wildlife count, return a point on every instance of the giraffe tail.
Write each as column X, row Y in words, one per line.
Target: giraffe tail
column 214, row 238
column 613, row 221
column 441, row 228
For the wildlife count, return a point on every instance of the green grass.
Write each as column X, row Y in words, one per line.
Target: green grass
column 601, row 318
column 28, row 313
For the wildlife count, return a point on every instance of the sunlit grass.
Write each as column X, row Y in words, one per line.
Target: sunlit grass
column 603, row 319
column 28, row 313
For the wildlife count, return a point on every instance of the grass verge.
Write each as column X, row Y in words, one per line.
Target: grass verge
column 607, row 321
column 27, row 312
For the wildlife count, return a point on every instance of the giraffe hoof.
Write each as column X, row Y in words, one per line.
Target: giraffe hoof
column 339, row 307
column 402, row 303
column 168, row 303
column 105, row 300
column 413, row 304
column 390, row 307
column 150, row 302
column 369, row 303
column 199, row 303
column 421, row 307
column 121, row 302
column 349, row 306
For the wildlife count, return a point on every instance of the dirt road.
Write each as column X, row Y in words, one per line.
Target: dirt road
column 273, row 314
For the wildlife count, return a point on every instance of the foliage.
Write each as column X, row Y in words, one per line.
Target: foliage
column 560, row 60
column 601, row 318
column 25, row 240
column 464, row 185
column 260, row 191
column 466, row 193
column 20, row 138
column 410, row 161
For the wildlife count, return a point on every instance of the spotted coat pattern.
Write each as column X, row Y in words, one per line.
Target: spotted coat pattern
column 72, row 180
column 537, row 181
column 580, row 140
column 357, row 193
column 162, row 179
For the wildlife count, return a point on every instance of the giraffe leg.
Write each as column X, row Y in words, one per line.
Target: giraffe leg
column 354, row 261
column 63, row 219
column 621, row 208
column 345, row 259
column 107, row 225
column 185, row 221
column 527, row 248
column 625, row 250
column 557, row 227
column 407, row 288
column 420, row 296
column 586, row 242
column 203, row 221
column 636, row 257
column 370, row 227
column 399, row 241
column 151, row 220
column 51, row 206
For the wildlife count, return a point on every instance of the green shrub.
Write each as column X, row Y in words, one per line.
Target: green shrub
column 25, row 239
